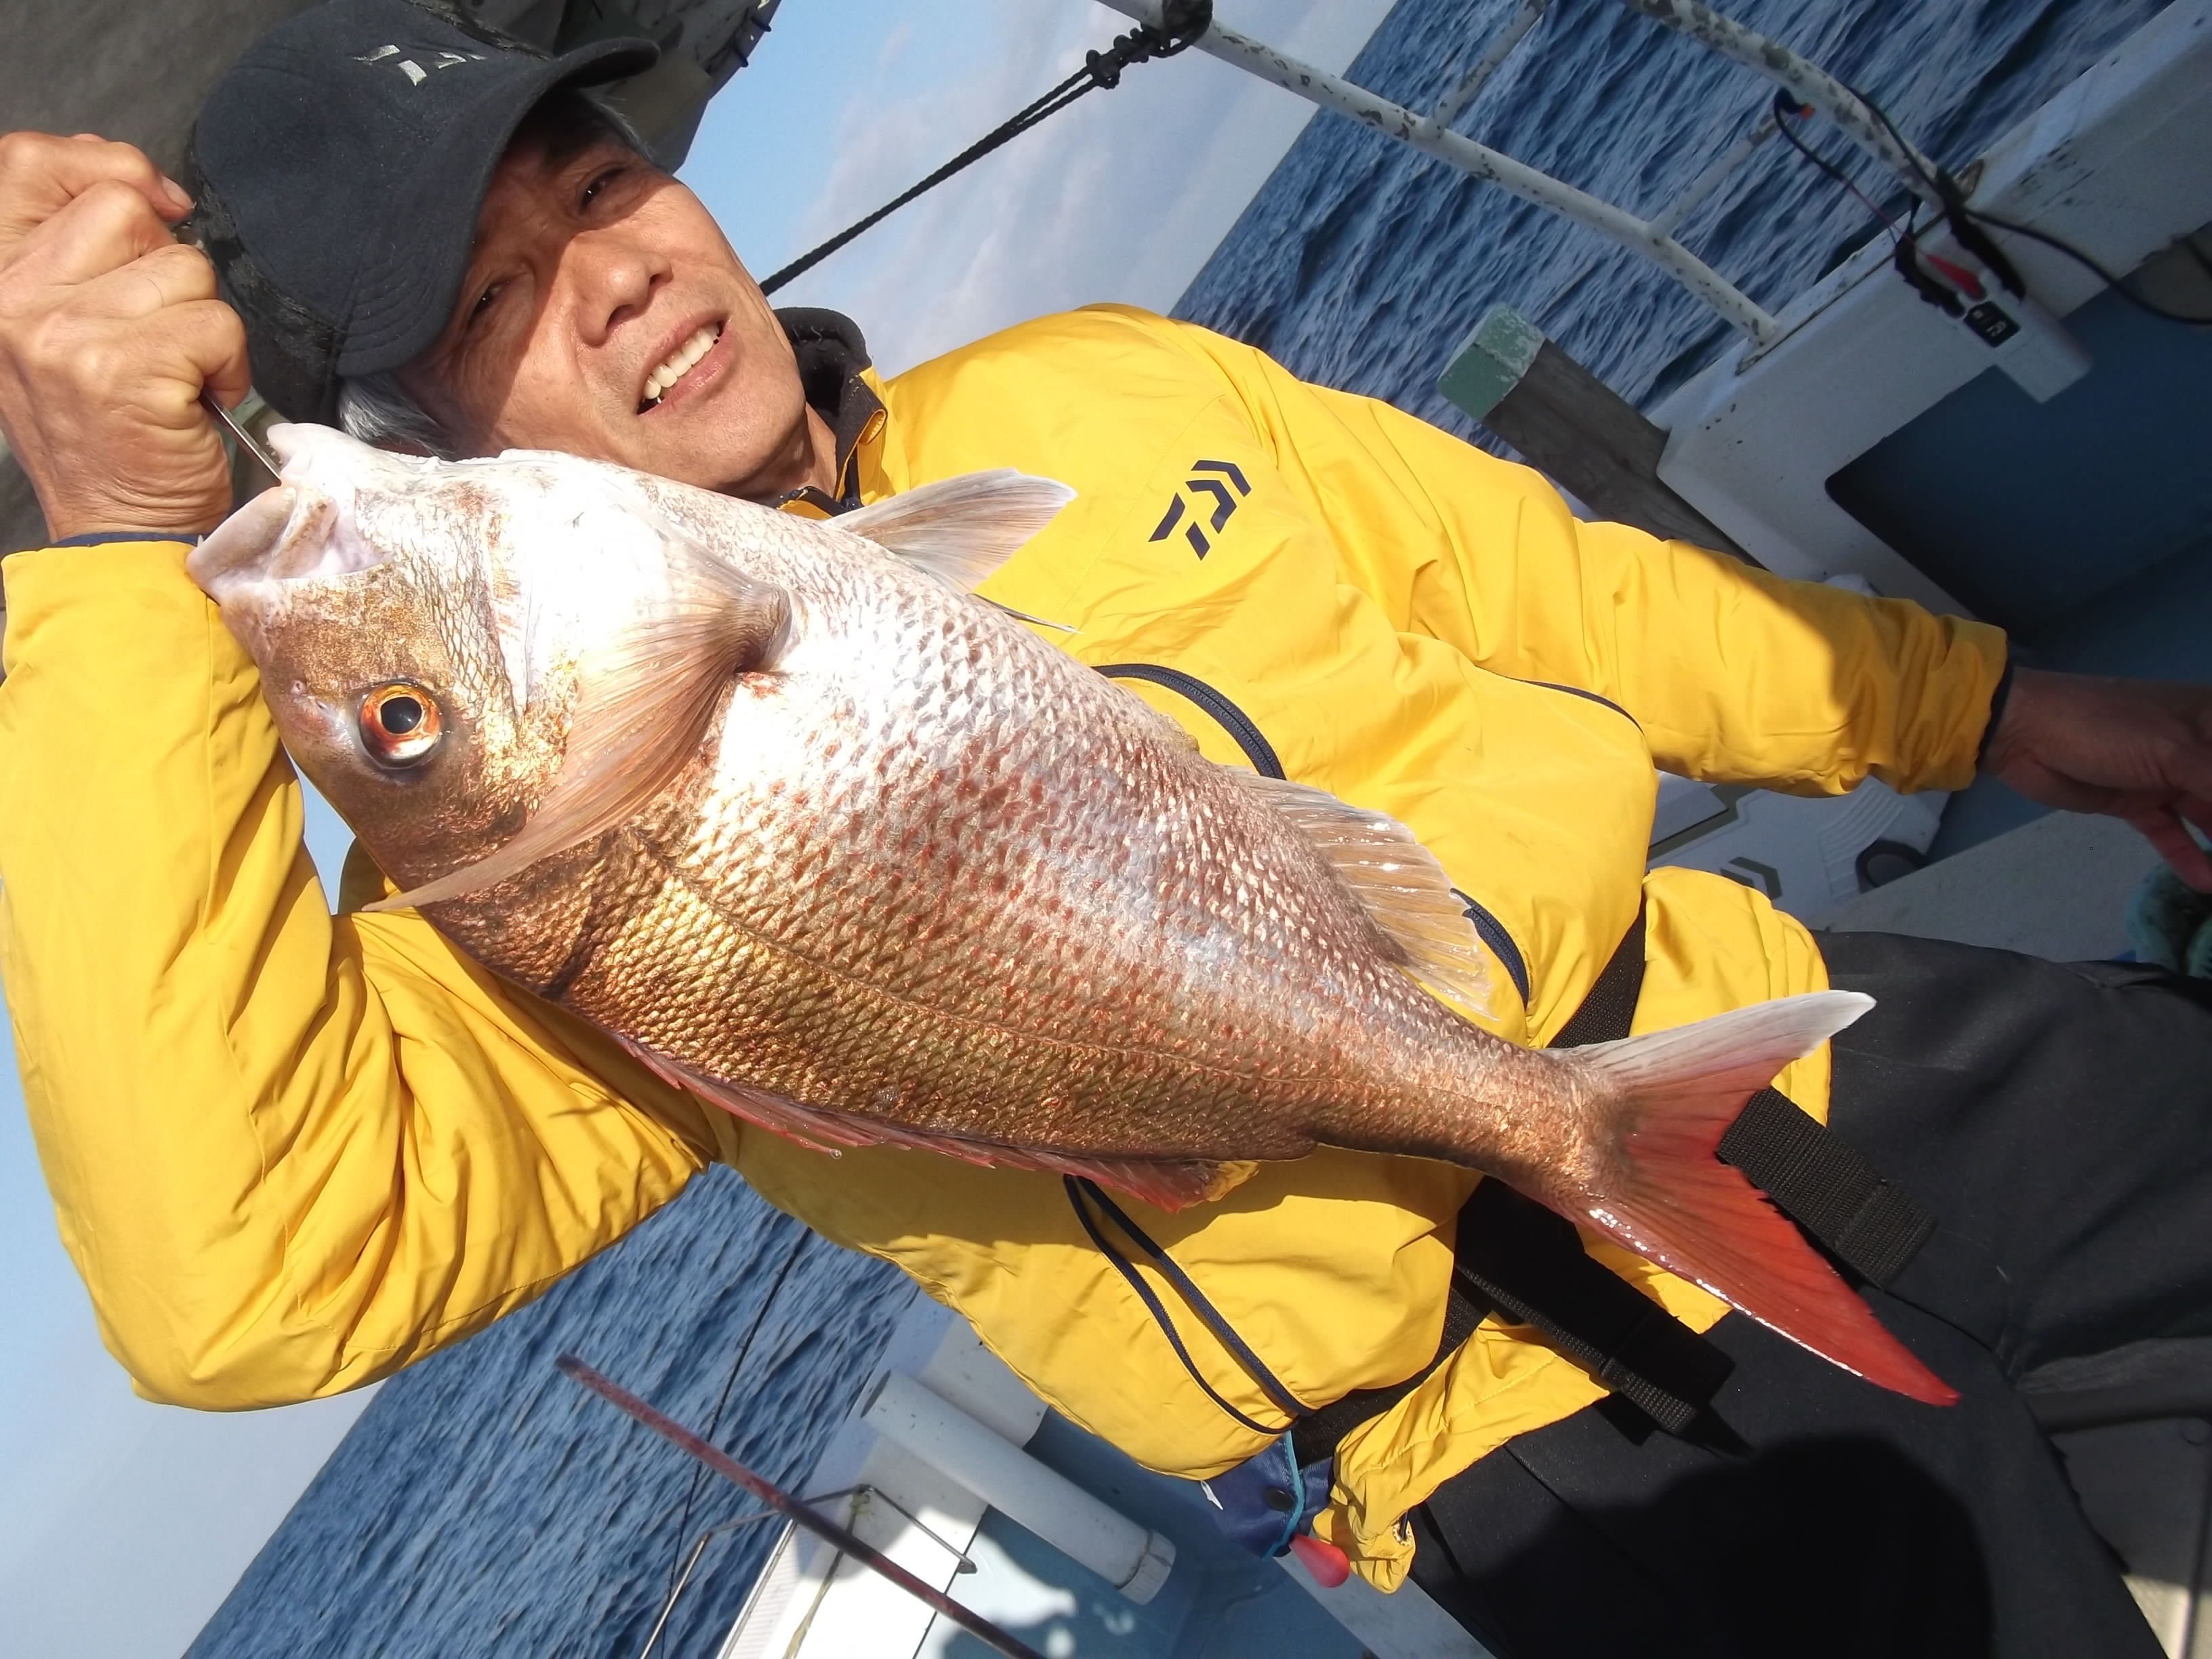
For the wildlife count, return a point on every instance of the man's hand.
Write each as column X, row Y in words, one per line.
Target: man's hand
column 108, row 329
column 2139, row 750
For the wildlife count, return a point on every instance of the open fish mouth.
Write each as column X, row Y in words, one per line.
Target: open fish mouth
column 297, row 531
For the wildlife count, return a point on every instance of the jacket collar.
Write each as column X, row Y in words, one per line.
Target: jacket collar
column 832, row 362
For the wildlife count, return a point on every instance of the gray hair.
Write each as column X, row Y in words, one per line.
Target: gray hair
column 376, row 409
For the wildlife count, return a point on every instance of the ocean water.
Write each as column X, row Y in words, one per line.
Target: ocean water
column 483, row 1504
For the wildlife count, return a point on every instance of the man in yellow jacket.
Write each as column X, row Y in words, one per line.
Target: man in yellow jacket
column 292, row 1153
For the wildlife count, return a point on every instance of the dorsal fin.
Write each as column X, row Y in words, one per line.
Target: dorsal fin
column 1396, row 878
column 960, row 530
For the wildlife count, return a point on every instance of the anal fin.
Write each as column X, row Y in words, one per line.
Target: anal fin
column 1168, row 1184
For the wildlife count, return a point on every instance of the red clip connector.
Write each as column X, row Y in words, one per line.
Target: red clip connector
column 1328, row 1565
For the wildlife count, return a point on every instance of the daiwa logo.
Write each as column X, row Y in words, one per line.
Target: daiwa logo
column 415, row 74
column 1197, row 485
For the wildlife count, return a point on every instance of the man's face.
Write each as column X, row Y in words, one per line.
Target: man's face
column 603, row 314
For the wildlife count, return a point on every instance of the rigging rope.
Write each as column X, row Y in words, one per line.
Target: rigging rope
column 698, row 1471
column 1186, row 20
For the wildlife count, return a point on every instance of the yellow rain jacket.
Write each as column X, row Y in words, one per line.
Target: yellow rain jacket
column 292, row 1153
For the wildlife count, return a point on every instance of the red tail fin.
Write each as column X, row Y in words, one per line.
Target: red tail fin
column 1673, row 1095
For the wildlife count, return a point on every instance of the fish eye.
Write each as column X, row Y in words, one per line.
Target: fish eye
column 400, row 724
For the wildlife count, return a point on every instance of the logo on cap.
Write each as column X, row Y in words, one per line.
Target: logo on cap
column 415, row 74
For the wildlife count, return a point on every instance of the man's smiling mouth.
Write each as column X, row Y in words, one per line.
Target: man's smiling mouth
column 678, row 364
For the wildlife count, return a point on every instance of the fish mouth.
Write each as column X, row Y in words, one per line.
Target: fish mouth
column 292, row 533
column 304, row 529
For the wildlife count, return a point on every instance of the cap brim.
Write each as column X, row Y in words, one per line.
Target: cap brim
column 405, row 299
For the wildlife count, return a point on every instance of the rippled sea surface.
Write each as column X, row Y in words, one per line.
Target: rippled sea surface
column 483, row 1503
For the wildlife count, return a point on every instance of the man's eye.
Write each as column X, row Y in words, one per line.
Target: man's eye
column 599, row 182
column 485, row 302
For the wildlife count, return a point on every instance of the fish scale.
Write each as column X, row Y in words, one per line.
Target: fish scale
column 852, row 853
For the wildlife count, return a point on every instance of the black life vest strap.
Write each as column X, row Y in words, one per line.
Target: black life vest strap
column 1827, row 1187
column 1515, row 1258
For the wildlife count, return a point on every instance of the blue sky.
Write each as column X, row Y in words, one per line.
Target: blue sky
column 123, row 1524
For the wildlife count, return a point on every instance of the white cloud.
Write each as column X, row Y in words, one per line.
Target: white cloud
column 1122, row 196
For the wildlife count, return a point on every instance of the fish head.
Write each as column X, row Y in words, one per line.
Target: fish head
column 418, row 626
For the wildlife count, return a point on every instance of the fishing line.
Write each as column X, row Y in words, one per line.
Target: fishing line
column 699, row 1471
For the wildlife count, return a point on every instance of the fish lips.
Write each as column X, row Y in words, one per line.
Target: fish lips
column 292, row 533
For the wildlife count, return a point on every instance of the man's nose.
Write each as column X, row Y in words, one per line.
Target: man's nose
column 614, row 276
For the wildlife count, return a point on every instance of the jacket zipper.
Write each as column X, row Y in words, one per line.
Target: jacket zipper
column 1224, row 714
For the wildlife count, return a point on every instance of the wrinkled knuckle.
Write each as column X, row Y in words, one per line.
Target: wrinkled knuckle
column 185, row 271
column 93, row 361
column 111, row 195
column 129, row 161
column 47, row 342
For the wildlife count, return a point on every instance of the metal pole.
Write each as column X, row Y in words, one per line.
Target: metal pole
column 1807, row 81
column 777, row 1499
column 1450, row 105
column 1394, row 120
column 1669, row 218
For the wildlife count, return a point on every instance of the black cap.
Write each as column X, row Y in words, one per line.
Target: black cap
column 338, row 166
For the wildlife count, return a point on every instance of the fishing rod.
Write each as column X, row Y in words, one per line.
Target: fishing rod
column 245, row 440
column 777, row 1499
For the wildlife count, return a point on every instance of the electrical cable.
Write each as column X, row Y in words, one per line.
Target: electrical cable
column 1785, row 108
column 1947, row 187
column 698, row 1471
column 2110, row 281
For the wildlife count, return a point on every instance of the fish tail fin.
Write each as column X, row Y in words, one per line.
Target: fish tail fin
column 1670, row 1097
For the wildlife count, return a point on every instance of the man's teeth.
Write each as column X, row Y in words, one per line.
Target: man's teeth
column 681, row 360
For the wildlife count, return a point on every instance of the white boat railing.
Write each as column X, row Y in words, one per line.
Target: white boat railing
column 1805, row 81
column 860, row 1495
column 1469, row 155
column 1810, row 86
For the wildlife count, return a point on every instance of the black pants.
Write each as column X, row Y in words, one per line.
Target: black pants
column 2058, row 1120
